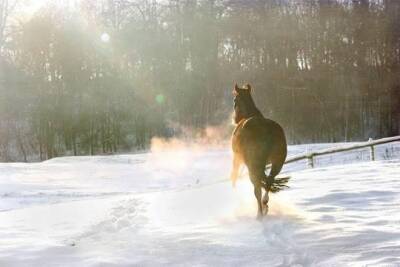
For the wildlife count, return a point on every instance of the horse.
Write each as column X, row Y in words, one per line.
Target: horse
column 256, row 142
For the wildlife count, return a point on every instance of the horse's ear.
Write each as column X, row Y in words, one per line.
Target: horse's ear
column 235, row 90
column 249, row 88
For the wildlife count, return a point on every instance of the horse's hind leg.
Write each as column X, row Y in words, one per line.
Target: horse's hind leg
column 256, row 177
column 258, row 194
column 265, row 200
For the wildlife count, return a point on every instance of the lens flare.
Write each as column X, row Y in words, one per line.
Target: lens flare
column 160, row 98
column 105, row 37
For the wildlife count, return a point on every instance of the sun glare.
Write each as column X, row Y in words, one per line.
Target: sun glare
column 28, row 8
column 105, row 37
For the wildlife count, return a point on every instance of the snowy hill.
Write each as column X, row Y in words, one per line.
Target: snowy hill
column 177, row 208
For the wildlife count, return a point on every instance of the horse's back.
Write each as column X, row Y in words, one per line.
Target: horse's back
column 261, row 140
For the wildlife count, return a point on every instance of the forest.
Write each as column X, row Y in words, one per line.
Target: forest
column 85, row 77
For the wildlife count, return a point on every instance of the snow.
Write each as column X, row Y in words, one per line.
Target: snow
column 178, row 208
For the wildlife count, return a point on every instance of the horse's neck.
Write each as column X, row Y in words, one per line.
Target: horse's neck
column 254, row 111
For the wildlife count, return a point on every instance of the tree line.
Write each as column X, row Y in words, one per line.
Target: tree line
column 92, row 77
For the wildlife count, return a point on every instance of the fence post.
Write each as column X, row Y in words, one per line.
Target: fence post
column 372, row 153
column 310, row 161
column 372, row 150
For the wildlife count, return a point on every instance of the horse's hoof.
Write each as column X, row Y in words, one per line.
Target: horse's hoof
column 266, row 210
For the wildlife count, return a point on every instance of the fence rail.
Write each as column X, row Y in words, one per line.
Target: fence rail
column 370, row 143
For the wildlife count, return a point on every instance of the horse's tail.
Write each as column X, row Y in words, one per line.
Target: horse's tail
column 276, row 168
column 277, row 159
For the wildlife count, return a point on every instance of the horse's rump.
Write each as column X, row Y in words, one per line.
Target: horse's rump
column 260, row 141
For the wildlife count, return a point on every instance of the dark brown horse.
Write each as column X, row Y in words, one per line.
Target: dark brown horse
column 256, row 142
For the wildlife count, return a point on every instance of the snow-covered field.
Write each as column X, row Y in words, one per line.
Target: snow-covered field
column 177, row 208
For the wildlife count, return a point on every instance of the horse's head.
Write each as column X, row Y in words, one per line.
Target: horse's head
column 243, row 103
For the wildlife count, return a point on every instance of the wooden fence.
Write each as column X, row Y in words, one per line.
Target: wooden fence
column 371, row 143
